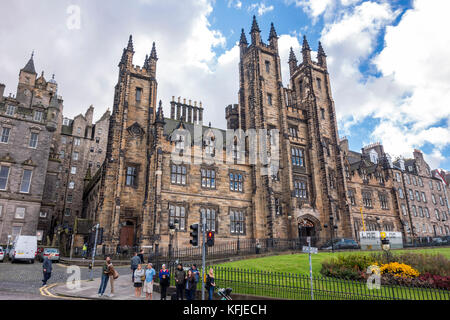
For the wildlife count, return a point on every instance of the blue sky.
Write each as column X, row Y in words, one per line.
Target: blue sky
column 385, row 57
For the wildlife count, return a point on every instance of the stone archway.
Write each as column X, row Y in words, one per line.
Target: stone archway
column 308, row 226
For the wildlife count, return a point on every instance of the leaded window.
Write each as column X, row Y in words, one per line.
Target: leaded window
column 208, row 178
column 236, row 181
column 210, row 215
column 177, row 212
column 297, row 156
column 237, row 221
column 178, row 174
column 300, row 189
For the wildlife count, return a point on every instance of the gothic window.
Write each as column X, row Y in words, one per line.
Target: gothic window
column 424, row 198
column 178, row 174
column 208, row 178
column 332, row 180
column 26, row 181
column 138, row 94
column 364, row 174
column 4, row 174
column 267, row 66
column 367, row 199
column 210, row 215
column 319, row 83
column 177, row 212
column 278, row 207
column 421, row 212
column 5, row 135
column 237, row 221
column 347, row 172
column 297, row 157
column 384, row 201
column 131, row 177
column 300, row 189
column 236, row 181
column 33, row 140
column 351, row 196
column 235, row 150
column 293, row 132
column 269, row 99
column 322, row 112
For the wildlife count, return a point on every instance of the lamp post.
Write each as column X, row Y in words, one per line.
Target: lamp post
column 332, row 228
column 171, row 234
column 238, row 229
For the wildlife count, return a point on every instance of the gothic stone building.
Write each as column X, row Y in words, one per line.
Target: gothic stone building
column 141, row 190
column 29, row 166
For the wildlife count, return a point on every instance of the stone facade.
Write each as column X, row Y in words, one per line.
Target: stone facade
column 29, row 165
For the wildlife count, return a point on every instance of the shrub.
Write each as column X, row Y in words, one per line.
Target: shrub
column 435, row 281
column 399, row 270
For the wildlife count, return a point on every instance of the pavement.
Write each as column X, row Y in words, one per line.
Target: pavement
column 123, row 290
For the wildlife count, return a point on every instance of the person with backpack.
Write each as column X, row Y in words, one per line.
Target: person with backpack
column 197, row 278
column 135, row 261
column 164, row 281
column 180, row 277
column 210, row 283
column 139, row 278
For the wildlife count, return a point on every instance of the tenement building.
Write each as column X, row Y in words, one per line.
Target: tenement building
column 29, row 166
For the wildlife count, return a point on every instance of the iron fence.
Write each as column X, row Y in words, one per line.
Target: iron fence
column 294, row 286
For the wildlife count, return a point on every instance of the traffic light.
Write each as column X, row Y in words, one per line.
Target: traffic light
column 210, row 238
column 194, row 234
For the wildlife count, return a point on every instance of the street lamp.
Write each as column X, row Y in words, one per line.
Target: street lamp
column 238, row 229
column 332, row 228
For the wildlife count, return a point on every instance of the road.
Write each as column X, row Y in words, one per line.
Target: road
column 22, row 281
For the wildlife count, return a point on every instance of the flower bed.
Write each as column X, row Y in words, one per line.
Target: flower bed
column 420, row 270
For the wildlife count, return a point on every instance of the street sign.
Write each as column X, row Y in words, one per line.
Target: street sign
column 371, row 240
column 311, row 250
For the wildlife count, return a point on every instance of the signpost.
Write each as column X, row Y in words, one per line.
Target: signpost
column 91, row 277
column 310, row 250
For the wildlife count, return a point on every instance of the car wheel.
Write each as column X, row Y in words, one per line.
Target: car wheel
column 32, row 261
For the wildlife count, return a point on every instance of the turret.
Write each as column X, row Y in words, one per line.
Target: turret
column 160, row 115
column 255, row 32
column 306, row 51
column 232, row 116
column 52, row 114
column 27, row 81
column 292, row 62
column 152, row 61
column 321, row 56
column 273, row 37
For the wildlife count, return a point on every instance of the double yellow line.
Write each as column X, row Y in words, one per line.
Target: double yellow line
column 44, row 292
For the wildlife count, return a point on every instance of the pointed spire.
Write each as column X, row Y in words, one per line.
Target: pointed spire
column 153, row 53
column 321, row 56
column 292, row 56
column 321, row 52
column 130, row 43
column 146, row 62
column 255, row 27
column 243, row 38
column 29, row 67
column 273, row 33
column 305, row 44
column 160, row 114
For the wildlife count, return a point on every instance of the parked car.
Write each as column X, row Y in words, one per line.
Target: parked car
column 437, row 241
column 2, row 254
column 45, row 252
column 24, row 248
column 340, row 243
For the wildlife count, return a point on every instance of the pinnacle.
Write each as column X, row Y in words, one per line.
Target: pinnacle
column 130, row 43
column 292, row 56
column 243, row 38
column 153, row 53
column 29, row 67
column 273, row 33
column 305, row 44
column 255, row 27
column 321, row 52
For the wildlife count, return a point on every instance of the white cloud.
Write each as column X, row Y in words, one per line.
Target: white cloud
column 411, row 95
column 237, row 4
column 260, row 8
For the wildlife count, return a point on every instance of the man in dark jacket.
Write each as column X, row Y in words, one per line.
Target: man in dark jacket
column 180, row 276
column 197, row 278
column 47, row 269
column 135, row 261
column 141, row 256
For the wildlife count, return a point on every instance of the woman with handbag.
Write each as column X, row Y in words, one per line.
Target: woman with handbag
column 113, row 275
column 139, row 278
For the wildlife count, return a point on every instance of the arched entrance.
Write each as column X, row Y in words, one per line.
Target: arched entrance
column 306, row 228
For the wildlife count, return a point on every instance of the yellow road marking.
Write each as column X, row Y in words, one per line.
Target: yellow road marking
column 44, row 292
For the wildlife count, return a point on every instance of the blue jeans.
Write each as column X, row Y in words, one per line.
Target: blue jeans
column 210, row 293
column 47, row 276
column 103, row 284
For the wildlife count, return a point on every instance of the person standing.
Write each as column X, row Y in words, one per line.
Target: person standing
column 190, row 285
column 180, row 277
column 148, row 284
column 197, row 278
column 113, row 275
column 164, row 281
column 105, row 277
column 139, row 278
column 135, row 261
column 84, row 253
column 141, row 256
column 47, row 269
column 210, row 283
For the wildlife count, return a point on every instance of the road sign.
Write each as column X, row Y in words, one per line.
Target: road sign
column 311, row 250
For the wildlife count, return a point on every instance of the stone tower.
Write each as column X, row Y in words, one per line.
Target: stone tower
column 122, row 208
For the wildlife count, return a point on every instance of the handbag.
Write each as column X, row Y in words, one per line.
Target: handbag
column 143, row 278
column 116, row 275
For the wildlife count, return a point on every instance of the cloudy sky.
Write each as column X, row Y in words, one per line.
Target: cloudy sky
column 388, row 60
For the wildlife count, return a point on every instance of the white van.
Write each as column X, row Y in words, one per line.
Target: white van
column 24, row 248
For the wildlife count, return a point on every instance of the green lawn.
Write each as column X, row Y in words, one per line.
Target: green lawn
column 299, row 263
column 285, row 276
